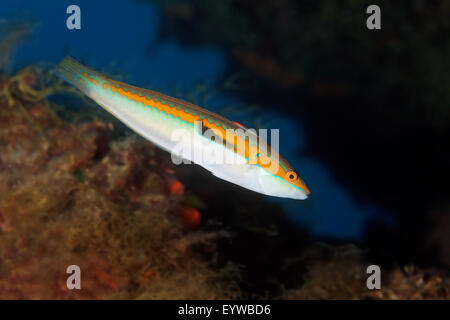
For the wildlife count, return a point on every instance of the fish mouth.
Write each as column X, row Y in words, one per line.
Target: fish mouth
column 301, row 192
column 304, row 188
column 307, row 192
column 300, row 195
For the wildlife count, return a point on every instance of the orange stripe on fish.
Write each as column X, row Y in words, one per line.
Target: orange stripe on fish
column 124, row 102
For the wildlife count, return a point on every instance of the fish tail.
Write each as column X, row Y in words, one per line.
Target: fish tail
column 75, row 73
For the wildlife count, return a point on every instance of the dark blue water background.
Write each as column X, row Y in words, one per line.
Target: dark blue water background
column 126, row 32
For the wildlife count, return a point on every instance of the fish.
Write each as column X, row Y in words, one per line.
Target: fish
column 191, row 133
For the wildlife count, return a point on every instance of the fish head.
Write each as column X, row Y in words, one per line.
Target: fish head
column 281, row 182
column 270, row 174
column 285, row 184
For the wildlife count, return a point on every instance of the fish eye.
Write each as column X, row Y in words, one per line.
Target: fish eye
column 291, row 176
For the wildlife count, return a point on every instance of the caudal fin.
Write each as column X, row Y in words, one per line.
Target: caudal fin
column 75, row 73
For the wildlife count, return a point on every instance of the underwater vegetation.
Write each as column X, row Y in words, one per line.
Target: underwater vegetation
column 75, row 191
column 339, row 273
column 69, row 196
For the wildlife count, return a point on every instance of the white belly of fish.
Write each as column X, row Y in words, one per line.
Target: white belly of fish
column 181, row 139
